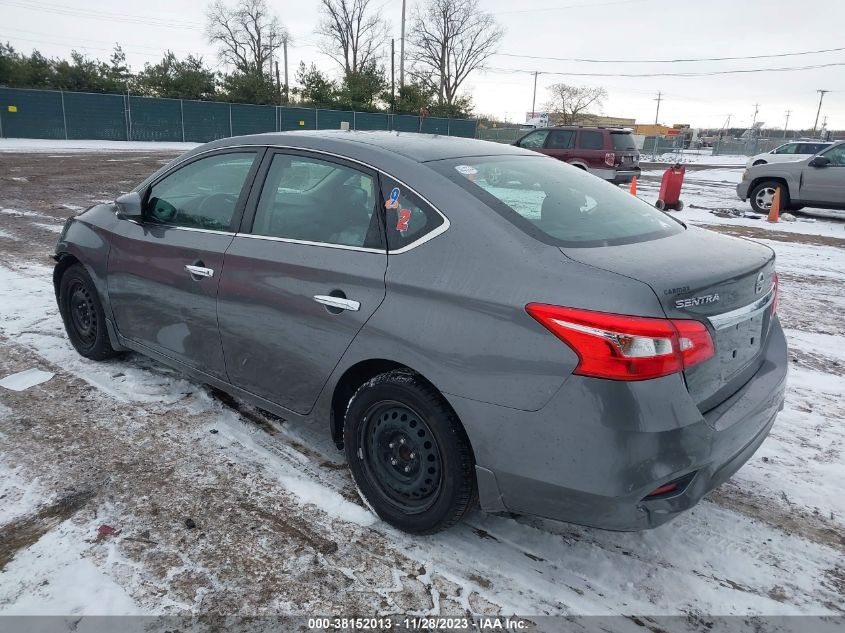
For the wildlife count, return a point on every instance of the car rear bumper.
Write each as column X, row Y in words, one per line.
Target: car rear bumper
column 622, row 176
column 599, row 448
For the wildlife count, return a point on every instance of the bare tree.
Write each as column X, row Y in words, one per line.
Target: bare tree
column 450, row 39
column 247, row 34
column 352, row 35
column 572, row 104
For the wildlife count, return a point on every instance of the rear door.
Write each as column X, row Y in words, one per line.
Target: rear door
column 302, row 277
column 560, row 144
column 591, row 149
column 825, row 185
column 164, row 270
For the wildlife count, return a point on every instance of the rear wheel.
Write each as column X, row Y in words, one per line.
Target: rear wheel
column 408, row 453
column 82, row 313
column 763, row 194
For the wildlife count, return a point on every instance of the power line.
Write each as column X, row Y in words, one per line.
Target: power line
column 677, row 74
column 43, row 7
column 671, row 61
column 568, row 6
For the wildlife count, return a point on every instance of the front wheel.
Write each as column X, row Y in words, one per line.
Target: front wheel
column 763, row 194
column 82, row 313
column 409, row 454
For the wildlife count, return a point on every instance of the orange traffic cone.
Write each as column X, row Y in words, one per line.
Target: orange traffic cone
column 634, row 186
column 774, row 211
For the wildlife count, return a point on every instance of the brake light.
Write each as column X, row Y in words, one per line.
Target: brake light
column 621, row 347
column 610, row 159
column 776, row 291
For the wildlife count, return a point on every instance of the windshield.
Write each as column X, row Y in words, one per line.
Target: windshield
column 623, row 141
column 557, row 203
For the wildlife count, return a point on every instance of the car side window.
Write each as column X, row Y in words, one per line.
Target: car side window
column 407, row 217
column 535, row 139
column 313, row 200
column 203, row 194
column 787, row 149
column 836, row 156
column 561, row 139
column 591, row 139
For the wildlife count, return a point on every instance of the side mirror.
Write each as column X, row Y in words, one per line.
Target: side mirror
column 129, row 206
column 819, row 161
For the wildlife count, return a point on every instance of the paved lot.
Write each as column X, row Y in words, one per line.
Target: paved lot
column 278, row 526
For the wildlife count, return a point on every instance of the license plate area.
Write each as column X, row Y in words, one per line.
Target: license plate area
column 738, row 345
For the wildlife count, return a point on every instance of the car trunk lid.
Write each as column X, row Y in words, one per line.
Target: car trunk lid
column 697, row 274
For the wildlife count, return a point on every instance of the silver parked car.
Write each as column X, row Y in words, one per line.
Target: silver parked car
column 818, row 181
column 548, row 344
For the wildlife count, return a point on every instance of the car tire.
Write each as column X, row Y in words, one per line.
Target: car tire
column 659, row 204
column 409, row 454
column 83, row 315
column 758, row 162
column 762, row 194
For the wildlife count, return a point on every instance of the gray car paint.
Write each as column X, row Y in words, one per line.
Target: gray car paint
column 545, row 441
column 806, row 184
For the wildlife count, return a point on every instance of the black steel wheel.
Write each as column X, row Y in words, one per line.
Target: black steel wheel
column 83, row 315
column 409, row 454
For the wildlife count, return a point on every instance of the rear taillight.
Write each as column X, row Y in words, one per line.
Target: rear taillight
column 621, row 347
column 775, row 291
column 610, row 159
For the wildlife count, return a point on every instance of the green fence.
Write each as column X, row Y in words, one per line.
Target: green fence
column 51, row 114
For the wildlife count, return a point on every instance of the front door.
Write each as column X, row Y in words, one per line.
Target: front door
column 302, row 278
column 164, row 271
column 825, row 185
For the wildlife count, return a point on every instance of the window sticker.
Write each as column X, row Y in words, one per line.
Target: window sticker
column 393, row 203
column 466, row 170
column 402, row 220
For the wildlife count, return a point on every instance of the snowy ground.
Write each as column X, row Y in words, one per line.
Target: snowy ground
column 278, row 526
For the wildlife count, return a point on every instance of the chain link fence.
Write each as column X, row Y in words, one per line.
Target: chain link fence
column 53, row 114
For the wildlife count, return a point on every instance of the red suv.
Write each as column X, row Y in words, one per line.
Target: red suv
column 609, row 153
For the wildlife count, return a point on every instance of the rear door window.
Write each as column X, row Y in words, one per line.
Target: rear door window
column 561, row 139
column 591, row 139
column 308, row 199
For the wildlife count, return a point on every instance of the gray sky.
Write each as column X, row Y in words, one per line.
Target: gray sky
column 596, row 29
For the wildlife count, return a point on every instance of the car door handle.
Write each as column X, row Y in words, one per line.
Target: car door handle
column 338, row 302
column 199, row 271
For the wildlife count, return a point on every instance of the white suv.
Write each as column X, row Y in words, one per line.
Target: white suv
column 794, row 150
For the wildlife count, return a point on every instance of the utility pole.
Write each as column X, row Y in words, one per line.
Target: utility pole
column 821, row 98
column 786, row 125
column 402, row 51
column 754, row 118
column 534, row 100
column 285, row 48
column 657, row 114
column 392, row 74
column 278, row 85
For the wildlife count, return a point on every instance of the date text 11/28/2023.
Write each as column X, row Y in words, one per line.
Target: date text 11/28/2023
column 485, row 623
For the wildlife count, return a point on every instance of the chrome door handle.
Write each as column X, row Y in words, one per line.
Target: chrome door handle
column 338, row 302
column 199, row 271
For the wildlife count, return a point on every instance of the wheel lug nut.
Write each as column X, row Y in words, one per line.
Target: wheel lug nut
column 391, row 445
column 412, row 455
column 392, row 461
column 401, row 440
column 407, row 469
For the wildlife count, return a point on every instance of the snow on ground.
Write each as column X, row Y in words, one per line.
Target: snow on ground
column 134, row 444
column 86, row 146
column 708, row 190
column 695, row 157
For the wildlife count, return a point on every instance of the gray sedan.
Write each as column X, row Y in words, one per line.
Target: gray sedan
column 547, row 344
column 818, row 181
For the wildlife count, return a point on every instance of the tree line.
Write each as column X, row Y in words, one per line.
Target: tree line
column 447, row 40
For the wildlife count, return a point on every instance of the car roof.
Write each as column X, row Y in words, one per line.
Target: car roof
column 418, row 147
column 585, row 127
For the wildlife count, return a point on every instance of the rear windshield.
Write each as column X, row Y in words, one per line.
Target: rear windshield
column 557, row 203
column 623, row 141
